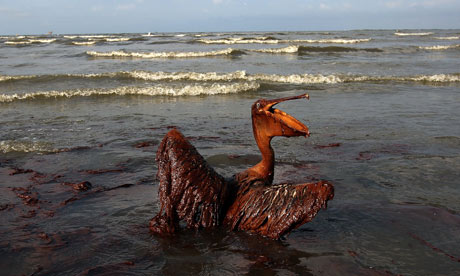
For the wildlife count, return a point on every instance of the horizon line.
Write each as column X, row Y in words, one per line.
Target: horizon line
column 234, row 31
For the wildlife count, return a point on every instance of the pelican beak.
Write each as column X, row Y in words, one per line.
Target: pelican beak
column 277, row 122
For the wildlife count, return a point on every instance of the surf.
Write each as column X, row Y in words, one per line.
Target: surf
column 150, row 55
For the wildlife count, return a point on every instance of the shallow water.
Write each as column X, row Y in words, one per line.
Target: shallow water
column 384, row 131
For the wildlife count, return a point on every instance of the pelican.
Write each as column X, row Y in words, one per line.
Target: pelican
column 191, row 191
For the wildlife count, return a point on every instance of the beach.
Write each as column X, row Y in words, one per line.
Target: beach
column 82, row 116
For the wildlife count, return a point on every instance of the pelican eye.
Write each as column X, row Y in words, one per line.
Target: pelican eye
column 258, row 105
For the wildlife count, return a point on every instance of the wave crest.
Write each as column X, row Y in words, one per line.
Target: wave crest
column 207, row 79
column 448, row 37
column 193, row 76
column 9, row 78
column 438, row 78
column 339, row 78
column 84, row 43
column 158, row 90
column 413, row 34
column 440, row 47
column 117, row 39
column 42, row 40
column 289, row 50
column 296, row 78
column 29, row 41
column 149, row 55
column 17, row 42
column 331, row 41
column 270, row 40
column 238, row 41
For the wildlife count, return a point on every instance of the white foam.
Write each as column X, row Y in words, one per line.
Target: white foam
column 30, row 41
column 208, row 79
column 439, row 78
column 448, row 37
column 123, row 54
column 17, row 42
column 7, row 78
column 117, row 39
column 152, row 76
column 25, row 146
column 296, row 78
column 440, row 47
column 194, row 76
column 288, row 49
column 435, row 78
column 331, row 41
column 266, row 40
column 42, row 40
column 157, row 90
column 238, row 40
column 85, row 43
column 413, row 34
column 331, row 79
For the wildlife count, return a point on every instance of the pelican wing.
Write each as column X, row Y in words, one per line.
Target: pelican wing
column 189, row 189
column 273, row 211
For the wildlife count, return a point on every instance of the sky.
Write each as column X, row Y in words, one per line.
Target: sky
column 137, row 16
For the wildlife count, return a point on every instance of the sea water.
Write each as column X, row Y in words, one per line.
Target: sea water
column 383, row 114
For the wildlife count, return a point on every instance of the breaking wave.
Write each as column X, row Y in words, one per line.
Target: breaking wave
column 438, row 78
column 288, row 50
column 9, row 78
column 331, row 41
column 143, row 75
column 118, row 39
column 293, row 79
column 239, row 40
column 186, row 76
column 90, row 36
column 413, row 34
column 149, row 55
column 42, row 40
column 270, row 40
column 226, row 52
column 158, row 90
column 440, row 47
column 30, row 41
column 213, row 78
column 17, row 42
column 84, row 43
column 108, row 38
column 448, row 37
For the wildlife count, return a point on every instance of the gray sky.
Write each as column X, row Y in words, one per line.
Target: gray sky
column 115, row 16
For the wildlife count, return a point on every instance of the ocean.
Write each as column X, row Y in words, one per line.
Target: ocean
column 91, row 109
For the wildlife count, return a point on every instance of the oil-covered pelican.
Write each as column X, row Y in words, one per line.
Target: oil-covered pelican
column 192, row 191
